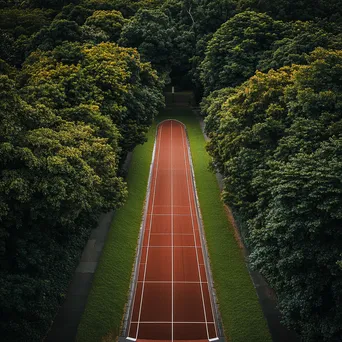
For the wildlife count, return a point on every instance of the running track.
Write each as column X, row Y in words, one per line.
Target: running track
column 171, row 300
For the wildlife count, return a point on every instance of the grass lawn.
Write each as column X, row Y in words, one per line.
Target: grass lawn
column 239, row 307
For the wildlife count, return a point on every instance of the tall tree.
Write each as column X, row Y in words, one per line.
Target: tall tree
column 233, row 53
column 151, row 32
column 56, row 177
column 277, row 140
column 110, row 22
column 110, row 77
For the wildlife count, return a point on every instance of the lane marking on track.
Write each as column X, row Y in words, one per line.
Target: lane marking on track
column 149, row 235
column 172, row 233
column 168, row 214
column 198, row 215
column 168, row 205
column 169, row 282
column 188, row 172
column 172, row 246
column 193, row 228
column 175, row 234
column 171, row 170
column 162, row 322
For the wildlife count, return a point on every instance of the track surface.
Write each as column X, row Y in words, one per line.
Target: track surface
column 172, row 300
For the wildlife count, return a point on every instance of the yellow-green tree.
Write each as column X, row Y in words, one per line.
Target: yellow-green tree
column 110, row 77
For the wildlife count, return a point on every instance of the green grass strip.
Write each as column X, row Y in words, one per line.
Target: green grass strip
column 240, row 310
column 106, row 301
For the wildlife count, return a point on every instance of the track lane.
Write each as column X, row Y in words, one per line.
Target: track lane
column 172, row 300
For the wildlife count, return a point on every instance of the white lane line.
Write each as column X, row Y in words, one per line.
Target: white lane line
column 175, row 234
column 193, row 228
column 168, row 205
column 172, row 233
column 149, row 235
column 169, row 282
column 168, row 214
column 172, row 246
column 162, row 322
column 199, row 225
column 172, row 169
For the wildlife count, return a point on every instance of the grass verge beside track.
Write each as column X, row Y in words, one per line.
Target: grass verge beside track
column 240, row 310
column 106, row 301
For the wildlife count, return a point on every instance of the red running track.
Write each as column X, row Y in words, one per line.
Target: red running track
column 172, row 300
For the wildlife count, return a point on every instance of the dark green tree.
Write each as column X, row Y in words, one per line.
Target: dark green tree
column 300, row 39
column 295, row 10
column 56, row 177
column 151, row 32
column 58, row 32
column 277, row 140
column 233, row 53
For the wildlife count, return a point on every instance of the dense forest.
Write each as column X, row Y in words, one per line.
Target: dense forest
column 80, row 84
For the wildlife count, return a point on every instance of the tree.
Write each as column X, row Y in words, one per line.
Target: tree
column 77, row 13
column 194, row 23
column 56, row 177
column 58, row 32
column 127, row 8
column 150, row 31
column 300, row 39
column 110, row 22
column 299, row 244
column 233, row 53
column 295, row 10
column 16, row 27
column 108, row 76
column 277, row 138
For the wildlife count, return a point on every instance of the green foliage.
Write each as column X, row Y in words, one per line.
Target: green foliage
column 58, row 32
column 194, row 22
column 110, row 22
column 301, row 39
column 65, row 129
column 18, row 21
column 127, row 8
column 277, row 139
column 56, row 177
column 299, row 245
column 16, row 27
column 108, row 76
column 245, row 38
column 77, row 13
column 151, row 32
column 294, row 10
column 52, row 4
